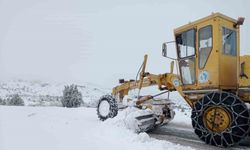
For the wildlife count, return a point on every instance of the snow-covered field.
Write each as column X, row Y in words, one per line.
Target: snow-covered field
column 57, row 128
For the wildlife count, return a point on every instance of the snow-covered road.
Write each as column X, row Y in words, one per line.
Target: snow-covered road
column 56, row 128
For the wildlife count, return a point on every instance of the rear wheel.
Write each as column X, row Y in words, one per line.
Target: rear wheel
column 107, row 107
column 220, row 119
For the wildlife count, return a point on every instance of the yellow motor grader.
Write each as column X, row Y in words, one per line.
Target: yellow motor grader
column 211, row 76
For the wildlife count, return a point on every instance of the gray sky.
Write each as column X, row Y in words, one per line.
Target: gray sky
column 97, row 41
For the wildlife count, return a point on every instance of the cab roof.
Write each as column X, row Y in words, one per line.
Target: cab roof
column 192, row 24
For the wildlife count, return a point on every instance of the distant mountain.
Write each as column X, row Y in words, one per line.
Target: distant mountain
column 38, row 93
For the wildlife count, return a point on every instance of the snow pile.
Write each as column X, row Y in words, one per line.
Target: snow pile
column 126, row 118
column 57, row 128
column 123, row 128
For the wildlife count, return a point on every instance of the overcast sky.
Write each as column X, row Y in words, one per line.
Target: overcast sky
column 97, row 41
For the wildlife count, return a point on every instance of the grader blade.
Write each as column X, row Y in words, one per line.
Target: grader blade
column 145, row 122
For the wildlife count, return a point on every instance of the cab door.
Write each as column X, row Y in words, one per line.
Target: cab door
column 186, row 47
column 228, row 57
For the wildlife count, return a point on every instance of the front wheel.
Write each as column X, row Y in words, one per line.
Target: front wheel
column 107, row 107
column 220, row 119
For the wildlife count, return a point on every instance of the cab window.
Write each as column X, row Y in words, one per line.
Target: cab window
column 186, row 43
column 187, row 68
column 205, row 44
column 229, row 41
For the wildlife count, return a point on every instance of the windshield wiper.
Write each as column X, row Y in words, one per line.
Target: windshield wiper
column 229, row 35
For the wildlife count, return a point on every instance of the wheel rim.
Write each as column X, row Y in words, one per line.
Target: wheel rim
column 216, row 119
column 104, row 108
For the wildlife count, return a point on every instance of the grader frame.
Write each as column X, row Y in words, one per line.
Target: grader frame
column 213, row 78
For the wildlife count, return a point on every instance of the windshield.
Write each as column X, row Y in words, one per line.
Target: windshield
column 186, row 43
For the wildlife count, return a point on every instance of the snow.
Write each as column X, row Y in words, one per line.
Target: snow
column 182, row 118
column 77, row 128
column 126, row 118
column 58, row 128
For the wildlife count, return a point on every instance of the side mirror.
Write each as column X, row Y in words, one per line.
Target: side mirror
column 165, row 50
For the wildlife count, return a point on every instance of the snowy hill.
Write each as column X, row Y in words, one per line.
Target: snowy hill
column 38, row 93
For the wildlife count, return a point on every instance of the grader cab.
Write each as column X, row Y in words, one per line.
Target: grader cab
column 211, row 76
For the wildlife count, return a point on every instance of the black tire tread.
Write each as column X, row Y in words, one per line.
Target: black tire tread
column 113, row 110
column 240, row 119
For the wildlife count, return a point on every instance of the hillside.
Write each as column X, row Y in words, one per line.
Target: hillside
column 38, row 93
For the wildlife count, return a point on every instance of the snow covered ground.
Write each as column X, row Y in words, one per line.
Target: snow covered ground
column 61, row 128
column 57, row 128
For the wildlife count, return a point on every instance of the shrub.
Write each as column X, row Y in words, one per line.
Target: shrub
column 71, row 97
column 15, row 100
column 2, row 101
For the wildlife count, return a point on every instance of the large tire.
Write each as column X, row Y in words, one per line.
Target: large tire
column 107, row 107
column 220, row 119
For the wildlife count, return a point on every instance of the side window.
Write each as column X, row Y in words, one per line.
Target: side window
column 205, row 44
column 229, row 41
